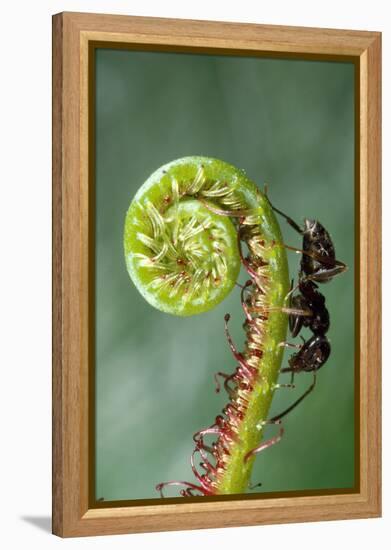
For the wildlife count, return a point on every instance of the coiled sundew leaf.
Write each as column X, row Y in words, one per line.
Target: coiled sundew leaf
column 181, row 242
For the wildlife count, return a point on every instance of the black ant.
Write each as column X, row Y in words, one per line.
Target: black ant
column 307, row 309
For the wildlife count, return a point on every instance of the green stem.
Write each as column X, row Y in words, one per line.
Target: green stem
column 181, row 251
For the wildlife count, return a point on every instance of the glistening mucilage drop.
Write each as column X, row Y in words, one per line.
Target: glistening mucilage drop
column 188, row 230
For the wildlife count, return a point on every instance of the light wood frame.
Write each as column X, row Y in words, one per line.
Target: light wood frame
column 72, row 33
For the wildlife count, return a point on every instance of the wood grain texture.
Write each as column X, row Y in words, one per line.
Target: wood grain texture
column 72, row 34
column 373, row 261
column 218, row 34
column 57, row 435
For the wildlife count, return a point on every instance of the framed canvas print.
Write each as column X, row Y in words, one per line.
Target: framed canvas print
column 216, row 274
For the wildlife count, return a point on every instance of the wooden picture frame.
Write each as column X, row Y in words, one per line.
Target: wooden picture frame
column 74, row 34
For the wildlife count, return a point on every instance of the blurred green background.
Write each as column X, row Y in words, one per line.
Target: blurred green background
column 288, row 123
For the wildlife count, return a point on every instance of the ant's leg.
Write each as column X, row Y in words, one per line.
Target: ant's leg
column 289, row 369
column 290, row 293
column 289, row 345
column 272, row 441
column 327, row 273
column 291, row 383
column 278, row 386
column 291, row 222
column 287, row 310
column 252, row 486
column 336, row 266
column 288, row 410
